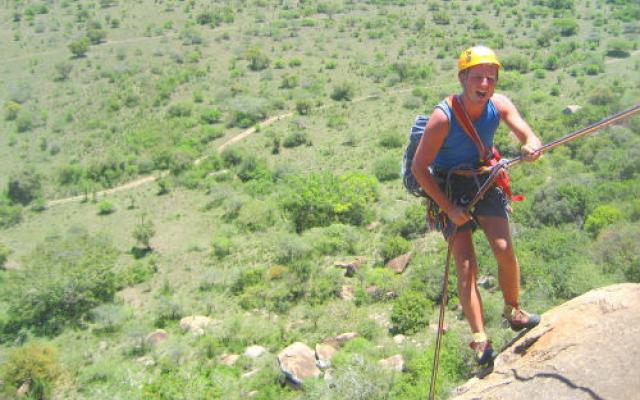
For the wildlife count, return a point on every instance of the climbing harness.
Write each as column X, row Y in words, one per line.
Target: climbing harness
column 499, row 167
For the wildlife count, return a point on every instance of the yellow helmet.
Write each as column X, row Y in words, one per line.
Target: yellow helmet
column 477, row 55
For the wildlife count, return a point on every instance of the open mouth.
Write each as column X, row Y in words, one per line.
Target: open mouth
column 480, row 94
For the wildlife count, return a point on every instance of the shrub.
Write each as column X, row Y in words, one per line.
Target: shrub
column 322, row 199
column 391, row 140
column 106, row 207
column 386, row 168
column 409, row 312
column 138, row 272
column 615, row 250
column 452, row 370
column 551, row 63
column 620, row 48
column 246, row 111
column 108, row 318
column 210, row 133
column 144, row 231
column 79, row 47
column 257, row 215
column 393, row 247
column 24, row 122
column 303, row 106
column 178, row 110
column 343, row 92
column 5, row 252
column 24, row 187
column 252, row 168
column 36, row 363
column 441, row 18
column 247, row 278
column 221, row 246
column 567, row 26
column 95, row 33
column 167, row 310
column 211, row 116
column 333, row 240
column 61, row 281
column 9, row 214
column 561, row 203
column 232, row 156
column 289, row 81
column 257, row 59
column 11, row 110
column 289, row 248
column 412, row 224
column 517, row 62
column 602, row 217
column 63, row 71
column 295, row 139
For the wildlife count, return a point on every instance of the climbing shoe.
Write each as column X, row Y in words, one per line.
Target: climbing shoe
column 519, row 319
column 483, row 351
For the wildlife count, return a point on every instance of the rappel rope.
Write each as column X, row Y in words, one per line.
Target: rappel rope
column 504, row 164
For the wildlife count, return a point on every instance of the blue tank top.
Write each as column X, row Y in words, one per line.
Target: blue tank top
column 458, row 149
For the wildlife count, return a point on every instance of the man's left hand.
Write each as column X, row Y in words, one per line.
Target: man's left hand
column 529, row 153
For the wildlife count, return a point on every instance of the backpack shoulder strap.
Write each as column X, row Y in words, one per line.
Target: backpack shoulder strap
column 463, row 119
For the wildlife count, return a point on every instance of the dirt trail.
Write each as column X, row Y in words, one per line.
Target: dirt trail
column 152, row 178
column 103, row 44
column 242, row 135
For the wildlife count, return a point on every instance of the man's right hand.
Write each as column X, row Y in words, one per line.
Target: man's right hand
column 458, row 216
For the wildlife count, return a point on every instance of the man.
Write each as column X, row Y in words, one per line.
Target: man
column 444, row 150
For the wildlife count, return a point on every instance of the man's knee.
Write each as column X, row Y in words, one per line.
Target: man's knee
column 502, row 245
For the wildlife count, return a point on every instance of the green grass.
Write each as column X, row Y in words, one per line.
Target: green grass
column 132, row 106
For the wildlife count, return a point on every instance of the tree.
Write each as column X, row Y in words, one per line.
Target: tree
column 619, row 48
column 257, row 59
column 567, row 26
column 211, row 115
column 63, row 70
column 79, row 47
column 603, row 216
column 409, row 312
column 34, row 363
column 62, row 279
column 143, row 232
column 24, row 187
column 342, row 91
column 95, row 33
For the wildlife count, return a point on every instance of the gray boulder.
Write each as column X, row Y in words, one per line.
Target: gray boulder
column 297, row 363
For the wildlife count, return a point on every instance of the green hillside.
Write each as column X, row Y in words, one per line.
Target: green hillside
column 261, row 145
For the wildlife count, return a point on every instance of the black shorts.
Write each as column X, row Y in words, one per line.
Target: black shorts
column 462, row 189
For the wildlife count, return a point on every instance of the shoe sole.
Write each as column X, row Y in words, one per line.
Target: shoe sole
column 518, row 328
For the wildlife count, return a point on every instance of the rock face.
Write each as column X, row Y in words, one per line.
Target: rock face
column 571, row 109
column 254, row 351
column 196, row 324
column 298, row 362
column 394, row 363
column 324, row 354
column 351, row 266
column 587, row 348
column 399, row 264
column 156, row 337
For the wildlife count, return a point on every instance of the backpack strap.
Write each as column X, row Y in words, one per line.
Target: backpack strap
column 463, row 119
column 489, row 157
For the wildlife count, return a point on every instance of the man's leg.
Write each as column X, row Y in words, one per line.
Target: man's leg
column 467, row 269
column 498, row 234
